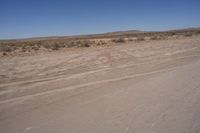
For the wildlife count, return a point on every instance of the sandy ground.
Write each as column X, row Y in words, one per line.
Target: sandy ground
column 145, row 87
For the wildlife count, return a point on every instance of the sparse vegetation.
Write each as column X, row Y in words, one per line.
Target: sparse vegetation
column 140, row 39
column 188, row 35
column 155, row 38
column 14, row 46
column 101, row 43
column 84, row 43
column 119, row 40
column 130, row 39
column 4, row 53
column 6, row 49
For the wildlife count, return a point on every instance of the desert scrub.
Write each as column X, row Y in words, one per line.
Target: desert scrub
column 130, row 39
column 188, row 35
column 140, row 39
column 84, row 43
column 156, row 38
column 119, row 40
column 71, row 44
column 57, row 46
column 35, row 48
column 6, row 49
column 101, row 43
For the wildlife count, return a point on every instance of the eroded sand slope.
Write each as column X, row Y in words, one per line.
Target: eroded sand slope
column 151, row 86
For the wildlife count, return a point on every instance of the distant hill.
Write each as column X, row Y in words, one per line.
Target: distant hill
column 103, row 35
column 31, row 45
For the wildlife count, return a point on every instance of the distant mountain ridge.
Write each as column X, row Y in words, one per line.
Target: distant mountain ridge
column 99, row 35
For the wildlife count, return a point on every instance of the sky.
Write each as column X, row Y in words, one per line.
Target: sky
column 39, row 18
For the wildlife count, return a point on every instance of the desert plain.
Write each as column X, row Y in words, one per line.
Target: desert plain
column 129, row 85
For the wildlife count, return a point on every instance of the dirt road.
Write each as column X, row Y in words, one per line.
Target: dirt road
column 145, row 87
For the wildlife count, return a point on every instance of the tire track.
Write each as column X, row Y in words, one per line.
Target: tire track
column 89, row 72
column 85, row 85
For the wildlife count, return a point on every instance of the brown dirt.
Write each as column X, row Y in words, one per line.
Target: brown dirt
column 148, row 86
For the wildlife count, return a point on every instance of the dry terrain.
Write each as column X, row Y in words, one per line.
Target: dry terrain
column 147, row 86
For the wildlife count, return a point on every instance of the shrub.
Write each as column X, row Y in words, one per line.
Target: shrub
column 101, row 43
column 4, row 53
column 35, row 48
column 71, row 44
column 130, row 39
column 55, row 46
column 119, row 40
column 84, row 43
column 198, row 32
column 154, row 38
column 140, row 39
column 6, row 49
column 188, row 35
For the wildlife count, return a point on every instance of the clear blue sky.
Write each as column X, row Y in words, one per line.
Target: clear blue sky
column 35, row 18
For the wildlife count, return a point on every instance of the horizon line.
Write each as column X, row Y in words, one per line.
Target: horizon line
column 90, row 34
